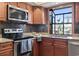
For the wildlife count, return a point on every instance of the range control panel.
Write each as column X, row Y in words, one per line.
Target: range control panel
column 13, row 30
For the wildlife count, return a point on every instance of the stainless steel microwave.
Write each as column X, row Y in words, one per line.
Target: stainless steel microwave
column 17, row 14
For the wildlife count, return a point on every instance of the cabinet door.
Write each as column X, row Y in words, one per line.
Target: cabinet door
column 47, row 51
column 37, row 15
column 30, row 13
column 13, row 3
column 46, row 47
column 61, row 51
column 47, row 41
column 3, row 11
column 35, row 49
column 77, row 12
column 22, row 5
column 6, row 52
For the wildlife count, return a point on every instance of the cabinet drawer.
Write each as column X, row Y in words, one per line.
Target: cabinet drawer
column 60, row 51
column 62, row 46
column 47, row 42
column 60, row 42
column 8, row 52
column 6, row 45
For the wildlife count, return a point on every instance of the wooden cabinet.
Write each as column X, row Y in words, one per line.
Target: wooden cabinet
column 6, row 49
column 76, row 12
column 3, row 11
column 60, row 50
column 46, row 47
column 35, row 49
column 60, row 47
column 22, row 5
column 30, row 14
column 39, row 15
column 47, row 51
column 13, row 3
column 47, row 41
column 51, row 47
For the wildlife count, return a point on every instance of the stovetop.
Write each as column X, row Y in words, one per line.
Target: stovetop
column 28, row 37
column 21, row 38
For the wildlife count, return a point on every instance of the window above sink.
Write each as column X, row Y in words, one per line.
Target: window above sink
column 61, row 21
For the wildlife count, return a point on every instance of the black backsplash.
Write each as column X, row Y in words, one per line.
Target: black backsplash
column 37, row 28
column 10, row 25
column 25, row 27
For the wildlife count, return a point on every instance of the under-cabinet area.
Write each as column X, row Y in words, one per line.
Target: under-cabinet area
column 39, row 29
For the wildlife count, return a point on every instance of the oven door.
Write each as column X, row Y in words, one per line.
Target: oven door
column 22, row 47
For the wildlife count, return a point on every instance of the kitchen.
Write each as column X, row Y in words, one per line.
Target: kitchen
column 39, row 29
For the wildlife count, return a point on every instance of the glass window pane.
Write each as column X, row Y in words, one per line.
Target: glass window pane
column 67, row 28
column 59, row 18
column 53, row 28
column 68, row 18
column 59, row 28
column 64, row 10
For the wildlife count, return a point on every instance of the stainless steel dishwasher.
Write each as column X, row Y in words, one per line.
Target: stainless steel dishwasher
column 73, row 47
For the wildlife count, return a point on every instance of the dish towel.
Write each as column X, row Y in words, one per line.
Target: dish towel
column 24, row 46
column 29, row 44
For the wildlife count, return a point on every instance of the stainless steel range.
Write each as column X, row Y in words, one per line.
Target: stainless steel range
column 22, row 45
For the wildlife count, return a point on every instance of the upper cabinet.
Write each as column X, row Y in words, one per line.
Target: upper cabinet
column 22, row 5
column 13, row 3
column 76, row 7
column 3, row 11
column 30, row 14
column 39, row 15
column 76, row 17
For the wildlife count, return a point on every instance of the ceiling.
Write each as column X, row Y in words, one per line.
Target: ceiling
column 45, row 4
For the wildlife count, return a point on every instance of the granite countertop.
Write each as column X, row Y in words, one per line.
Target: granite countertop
column 53, row 36
column 3, row 40
column 62, row 37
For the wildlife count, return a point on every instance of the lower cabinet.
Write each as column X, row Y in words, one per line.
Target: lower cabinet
column 35, row 48
column 60, row 51
column 7, row 52
column 6, row 49
column 60, row 47
column 47, row 51
column 50, row 47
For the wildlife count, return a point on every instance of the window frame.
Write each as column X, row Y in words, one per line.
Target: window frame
column 51, row 24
